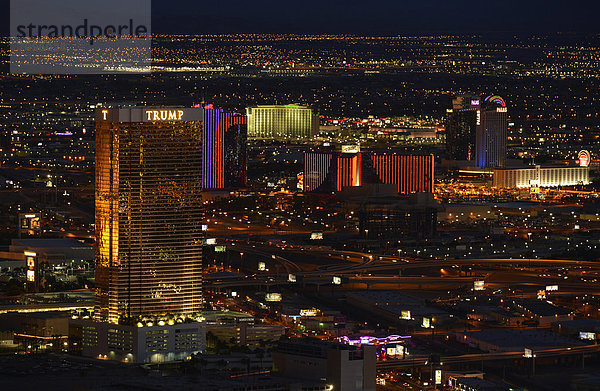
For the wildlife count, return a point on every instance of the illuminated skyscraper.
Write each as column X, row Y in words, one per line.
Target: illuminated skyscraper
column 492, row 129
column 331, row 171
column 282, row 122
column 461, row 127
column 316, row 169
column 411, row 173
column 148, row 213
column 148, row 237
column 334, row 171
column 224, row 159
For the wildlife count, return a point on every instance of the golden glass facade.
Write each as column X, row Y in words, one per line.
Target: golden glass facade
column 148, row 214
column 282, row 122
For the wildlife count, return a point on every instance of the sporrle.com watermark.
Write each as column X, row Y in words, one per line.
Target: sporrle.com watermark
column 80, row 36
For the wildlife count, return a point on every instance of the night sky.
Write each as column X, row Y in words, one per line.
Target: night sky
column 368, row 17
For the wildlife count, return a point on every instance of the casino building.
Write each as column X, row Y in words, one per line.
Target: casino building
column 538, row 176
column 282, row 122
column 333, row 171
column 148, row 236
column 461, row 127
column 224, row 149
column 491, row 133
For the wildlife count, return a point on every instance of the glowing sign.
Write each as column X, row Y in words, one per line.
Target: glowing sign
column 164, row 115
column 496, row 100
column 528, row 353
column 350, row 148
column 541, row 294
column 551, row 288
column 273, row 297
column 30, row 258
column 262, row 266
column 479, row 285
column 426, row 323
column 474, row 102
column 310, row 312
column 300, row 184
column 30, row 222
column 399, row 350
column 370, row 340
column 405, row 315
column 220, row 249
column 291, row 278
column 211, row 241
column 316, row 236
column 584, row 158
column 204, row 227
column 438, row 376
column 587, row 335
column 337, row 280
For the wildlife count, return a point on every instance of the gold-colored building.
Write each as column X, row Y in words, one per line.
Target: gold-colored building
column 282, row 122
column 148, row 214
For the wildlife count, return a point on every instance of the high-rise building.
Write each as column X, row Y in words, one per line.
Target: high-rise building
column 411, row 173
column 148, row 235
column 224, row 159
column 333, row 171
column 316, row 169
column 282, row 122
column 492, row 129
column 148, row 213
column 461, row 127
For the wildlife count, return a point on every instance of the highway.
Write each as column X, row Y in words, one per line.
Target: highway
column 395, row 364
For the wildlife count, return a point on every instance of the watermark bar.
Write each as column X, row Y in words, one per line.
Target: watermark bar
column 80, row 36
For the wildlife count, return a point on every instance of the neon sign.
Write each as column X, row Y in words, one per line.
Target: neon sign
column 164, row 115
column 496, row 100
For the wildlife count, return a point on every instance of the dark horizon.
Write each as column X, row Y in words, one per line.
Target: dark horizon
column 375, row 18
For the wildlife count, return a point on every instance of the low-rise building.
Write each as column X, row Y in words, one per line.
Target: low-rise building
column 538, row 176
column 345, row 367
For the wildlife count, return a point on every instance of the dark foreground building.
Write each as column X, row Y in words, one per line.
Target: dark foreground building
column 410, row 218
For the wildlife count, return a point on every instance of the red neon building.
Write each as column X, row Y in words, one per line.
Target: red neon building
column 316, row 168
column 349, row 170
column 329, row 171
column 412, row 173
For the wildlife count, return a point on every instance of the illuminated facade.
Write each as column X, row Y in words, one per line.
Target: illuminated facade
column 224, row 159
column 411, row 173
column 282, row 122
column 491, row 137
column 316, row 169
column 461, row 126
column 538, row 176
column 334, row 171
column 329, row 171
column 148, row 214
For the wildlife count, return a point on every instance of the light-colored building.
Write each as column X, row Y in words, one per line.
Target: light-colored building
column 282, row 122
column 538, row 176
column 147, row 343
